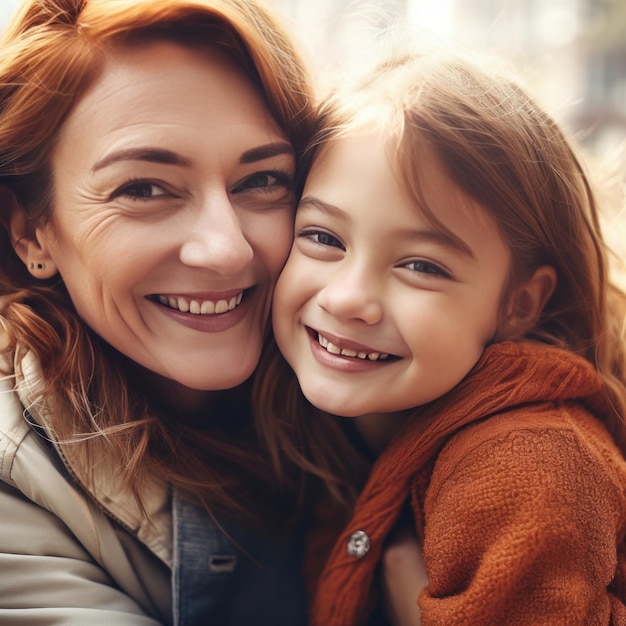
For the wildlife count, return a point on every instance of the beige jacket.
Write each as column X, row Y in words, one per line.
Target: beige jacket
column 74, row 549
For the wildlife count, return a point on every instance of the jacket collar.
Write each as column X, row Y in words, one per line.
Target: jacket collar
column 97, row 476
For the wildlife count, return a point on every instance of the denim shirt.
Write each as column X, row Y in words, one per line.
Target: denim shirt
column 218, row 583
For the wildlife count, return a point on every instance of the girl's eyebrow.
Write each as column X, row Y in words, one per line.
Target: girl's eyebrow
column 441, row 236
column 159, row 155
column 320, row 205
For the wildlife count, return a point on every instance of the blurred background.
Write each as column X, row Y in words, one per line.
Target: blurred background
column 572, row 52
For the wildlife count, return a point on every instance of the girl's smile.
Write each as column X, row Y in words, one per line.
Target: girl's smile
column 345, row 355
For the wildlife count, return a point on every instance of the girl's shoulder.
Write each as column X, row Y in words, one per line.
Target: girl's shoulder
column 529, row 503
column 548, row 448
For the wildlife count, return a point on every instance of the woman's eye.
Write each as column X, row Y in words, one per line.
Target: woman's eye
column 264, row 180
column 426, row 267
column 322, row 238
column 140, row 189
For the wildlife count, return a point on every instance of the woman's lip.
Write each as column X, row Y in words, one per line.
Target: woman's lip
column 202, row 295
column 199, row 306
column 215, row 322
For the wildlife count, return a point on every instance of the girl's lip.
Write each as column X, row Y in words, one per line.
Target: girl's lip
column 342, row 343
column 343, row 363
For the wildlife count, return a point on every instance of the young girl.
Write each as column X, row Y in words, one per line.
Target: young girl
column 447, row 289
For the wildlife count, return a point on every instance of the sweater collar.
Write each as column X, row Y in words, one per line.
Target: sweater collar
column 507, row 375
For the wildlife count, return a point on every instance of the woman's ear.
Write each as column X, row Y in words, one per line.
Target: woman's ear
column 528, row 301
column 27, row 243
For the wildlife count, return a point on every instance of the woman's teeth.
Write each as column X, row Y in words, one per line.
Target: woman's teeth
column 201, row 307
column 333, row 349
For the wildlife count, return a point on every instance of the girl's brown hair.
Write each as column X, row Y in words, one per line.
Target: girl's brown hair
column 502, row 149
column 49, row 56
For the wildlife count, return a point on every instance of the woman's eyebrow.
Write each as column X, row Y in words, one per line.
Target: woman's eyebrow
column 152, row 155
column 266, row 151
column 159, row 155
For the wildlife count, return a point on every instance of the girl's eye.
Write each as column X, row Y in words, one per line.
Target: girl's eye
column 265, row 180
column 426, row 267
column 322, row 238
column 140, row 189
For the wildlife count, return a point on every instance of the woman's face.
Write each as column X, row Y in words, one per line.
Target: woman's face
column 173, row 212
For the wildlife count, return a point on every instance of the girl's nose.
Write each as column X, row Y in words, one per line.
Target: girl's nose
column 352, row 294
column 216, row 240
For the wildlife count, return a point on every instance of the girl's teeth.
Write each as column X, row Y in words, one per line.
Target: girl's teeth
column 182, row 305
column 221, row 306
column 194, row 307
column 333, row 349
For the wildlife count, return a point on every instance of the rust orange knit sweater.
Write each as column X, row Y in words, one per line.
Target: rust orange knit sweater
column 518, row 493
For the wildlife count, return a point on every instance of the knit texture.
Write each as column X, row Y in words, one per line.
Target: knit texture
column 524, row 516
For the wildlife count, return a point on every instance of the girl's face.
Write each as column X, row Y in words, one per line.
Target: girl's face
column 173, row 213
column 376, row 310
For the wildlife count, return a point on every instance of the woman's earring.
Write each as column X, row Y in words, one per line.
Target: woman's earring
column 39, row 266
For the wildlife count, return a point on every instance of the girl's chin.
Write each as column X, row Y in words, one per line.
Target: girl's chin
column 334, row 407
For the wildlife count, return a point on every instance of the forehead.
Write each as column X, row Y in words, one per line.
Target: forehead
column 370, row 170
column 160, row 84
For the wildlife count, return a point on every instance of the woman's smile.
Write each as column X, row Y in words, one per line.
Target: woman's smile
column 199, row 305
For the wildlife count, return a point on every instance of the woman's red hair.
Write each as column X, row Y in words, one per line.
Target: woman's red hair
column 49, row 56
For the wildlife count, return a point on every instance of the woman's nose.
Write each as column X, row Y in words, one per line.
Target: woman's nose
column 352, row 293
column 216, row 240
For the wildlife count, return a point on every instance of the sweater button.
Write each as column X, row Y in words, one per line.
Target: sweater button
column 358, row 544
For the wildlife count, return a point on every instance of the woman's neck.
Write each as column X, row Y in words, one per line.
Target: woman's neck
column 193, row 404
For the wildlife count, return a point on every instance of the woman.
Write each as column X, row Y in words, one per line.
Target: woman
column 148, row 152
